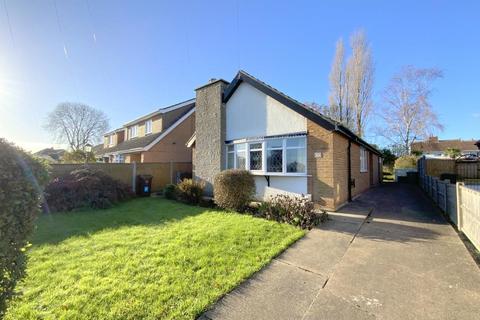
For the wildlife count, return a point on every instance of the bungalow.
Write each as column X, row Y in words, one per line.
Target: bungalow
column 156, row 137
column 288, row 147
column 435, row 147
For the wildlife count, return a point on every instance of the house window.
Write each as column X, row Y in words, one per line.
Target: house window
column 132, row 132
column 119, row 158
column 148, row 126
column 110, row 140
column 241, row 156
column 230, row 156
column 275, row 155
column 256, row 156
column 296, row 155
column 363, row 160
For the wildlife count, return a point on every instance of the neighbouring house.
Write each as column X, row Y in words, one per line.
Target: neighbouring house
column 288, row 147
column 156, row 137
column 51, row 155
column 435, row 147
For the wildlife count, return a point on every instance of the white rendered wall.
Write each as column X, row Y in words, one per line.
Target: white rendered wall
column 295, row 186
column 251, row 113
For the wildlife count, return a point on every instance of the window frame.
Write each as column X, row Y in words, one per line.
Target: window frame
column 110, row 140
column 264, row 150
column 363, row 160
column 282, row 148
column 149, row 121
column 295, row 148
column 131, row 131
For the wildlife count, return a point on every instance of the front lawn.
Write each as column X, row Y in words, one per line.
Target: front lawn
column 144, row 259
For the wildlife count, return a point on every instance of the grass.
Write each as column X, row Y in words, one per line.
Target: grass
column 144, row 259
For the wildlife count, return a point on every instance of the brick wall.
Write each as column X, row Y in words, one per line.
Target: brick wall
column 327, row 161
column 362, row 179
column 320, row 155
column 340, row 169
column 172, row 147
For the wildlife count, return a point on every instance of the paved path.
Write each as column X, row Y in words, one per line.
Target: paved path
column 401, row 262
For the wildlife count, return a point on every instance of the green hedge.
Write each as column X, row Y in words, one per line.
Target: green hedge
column 233, row 189
column 404, row 162
column 22, row 178
column 189, row 191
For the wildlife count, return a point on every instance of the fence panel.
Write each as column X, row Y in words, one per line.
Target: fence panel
column 469, row 213
column 435, row 190
column 163, row 172
column 442, row 195
column 119, row 171
column 468, row 170
column 452, row 202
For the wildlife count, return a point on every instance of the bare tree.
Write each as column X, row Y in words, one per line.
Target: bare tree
column 408, row 114
column 336, row 109
column 359, row 81
column 76, row 124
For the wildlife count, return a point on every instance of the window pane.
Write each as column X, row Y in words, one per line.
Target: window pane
column 256, row 160
column 255, row 146
column 274, row 144
column 296, row 160
column 241, row 160
column 241, row 146
column 230, row 159
column 274, row 161
column 230, row 148
column 296, row 142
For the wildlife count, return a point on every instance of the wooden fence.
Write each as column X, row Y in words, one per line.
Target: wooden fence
column 468, row 204
column 163, row 172
column 435, row 167
column 461, row 202
column 443, row 193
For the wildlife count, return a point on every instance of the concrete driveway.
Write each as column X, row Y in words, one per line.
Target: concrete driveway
column 387, row 255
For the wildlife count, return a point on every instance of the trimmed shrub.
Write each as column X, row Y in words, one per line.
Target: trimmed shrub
column 85, row 188
column 233, row 189
column 404, row 162
column 298, row 211
column 190, row 191
column 170, row 191
column 22, row 178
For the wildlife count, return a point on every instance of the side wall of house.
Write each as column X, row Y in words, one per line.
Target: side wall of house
column 362, row 179
column 172, row 147
column 134, row 157
column 320, row 159
column 340, row 169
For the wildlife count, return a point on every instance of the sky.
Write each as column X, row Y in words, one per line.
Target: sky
column 129, row 58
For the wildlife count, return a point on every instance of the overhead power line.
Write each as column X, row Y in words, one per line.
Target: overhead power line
column 8, row 22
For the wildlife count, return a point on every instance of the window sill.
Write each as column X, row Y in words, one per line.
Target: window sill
column 279, row 174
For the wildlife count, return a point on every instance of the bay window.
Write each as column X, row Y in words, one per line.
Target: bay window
column 256, row 152
column 241, row 156
column 230, row 156
column 296, row 155
column 275, row 155
column 278, row 156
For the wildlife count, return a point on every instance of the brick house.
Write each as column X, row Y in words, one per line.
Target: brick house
column 156, row 137
column 288, row 147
